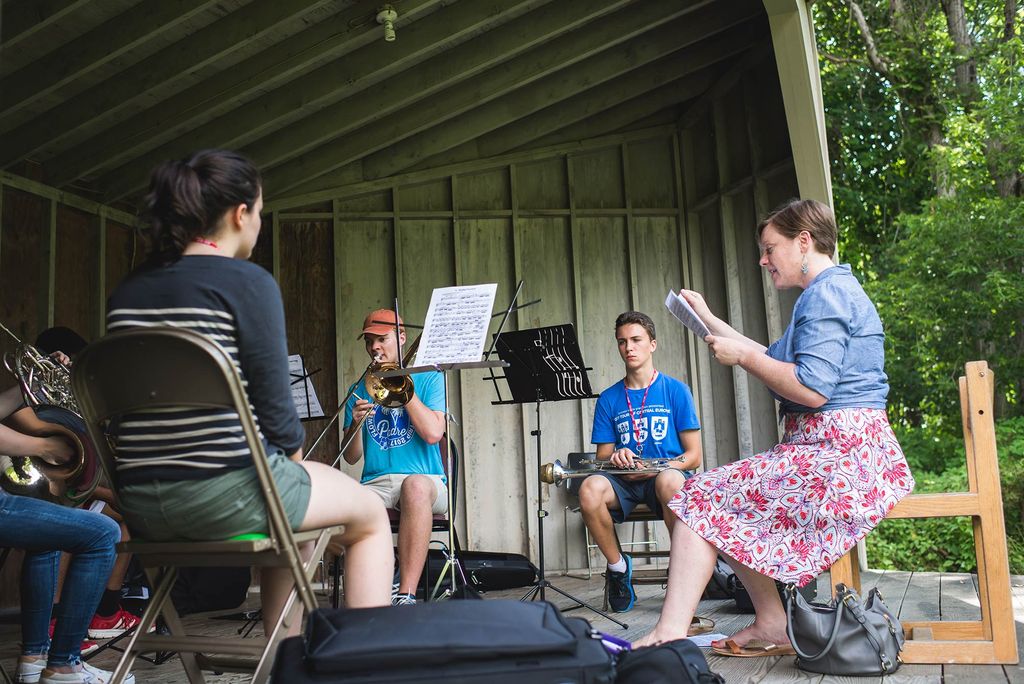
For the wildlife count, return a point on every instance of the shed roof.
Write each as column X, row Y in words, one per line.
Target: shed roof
column 95, row 93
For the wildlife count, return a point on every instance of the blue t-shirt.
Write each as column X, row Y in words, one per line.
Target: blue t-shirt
column 836, row 341
column 390, row 443
column 668, row 411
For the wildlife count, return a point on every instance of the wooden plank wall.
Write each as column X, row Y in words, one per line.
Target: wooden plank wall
column 592, row 229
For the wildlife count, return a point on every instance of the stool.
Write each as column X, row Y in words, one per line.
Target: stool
column 992, row 640
column 646, row 575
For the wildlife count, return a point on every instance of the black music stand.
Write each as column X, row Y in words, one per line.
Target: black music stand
column 545, row 364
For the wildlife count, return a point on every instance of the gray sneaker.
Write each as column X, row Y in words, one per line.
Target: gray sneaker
column 619, row 588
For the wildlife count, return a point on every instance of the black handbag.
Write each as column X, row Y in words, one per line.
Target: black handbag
column 845, row 637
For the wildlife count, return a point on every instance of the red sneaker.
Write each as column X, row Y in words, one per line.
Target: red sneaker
column 114, row 625
column 87, row 645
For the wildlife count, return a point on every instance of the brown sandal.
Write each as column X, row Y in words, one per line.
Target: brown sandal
column 700, row 625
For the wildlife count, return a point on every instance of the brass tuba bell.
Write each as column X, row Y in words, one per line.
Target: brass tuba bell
column 46, row 388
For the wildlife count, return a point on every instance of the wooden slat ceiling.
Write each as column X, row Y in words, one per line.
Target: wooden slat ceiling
column 94, row 92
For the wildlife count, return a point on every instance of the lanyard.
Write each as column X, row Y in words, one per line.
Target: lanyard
column 634, row 421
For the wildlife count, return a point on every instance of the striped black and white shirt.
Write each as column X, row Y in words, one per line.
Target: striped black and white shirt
column 238, row 305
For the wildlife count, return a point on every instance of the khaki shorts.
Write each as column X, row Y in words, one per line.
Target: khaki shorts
column 389, row 489
column 215, row 508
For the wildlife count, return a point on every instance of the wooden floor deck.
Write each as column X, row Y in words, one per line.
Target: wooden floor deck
column 915, row 595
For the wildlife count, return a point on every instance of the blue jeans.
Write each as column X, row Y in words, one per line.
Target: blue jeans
column 43, row 530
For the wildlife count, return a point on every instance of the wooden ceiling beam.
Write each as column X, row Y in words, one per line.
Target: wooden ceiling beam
column 710, row 35
column 757, row 54
column 671, row 73
column 302, row 96
column 32, row 25
column 226, row 91
column 295, row 199
column 159, row 76
column 74, row 61
column 379, row 132
column 640, row 112
column 464, row 63
column 638, row 92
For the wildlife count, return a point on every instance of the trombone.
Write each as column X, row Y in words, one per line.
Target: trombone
column 386, row 392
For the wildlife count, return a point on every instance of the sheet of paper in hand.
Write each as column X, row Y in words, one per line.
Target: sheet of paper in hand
column 686, row 315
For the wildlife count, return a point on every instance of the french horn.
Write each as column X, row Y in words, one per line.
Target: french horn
column 52, row 412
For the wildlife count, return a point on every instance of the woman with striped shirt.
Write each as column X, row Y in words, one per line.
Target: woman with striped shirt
column 187, row 474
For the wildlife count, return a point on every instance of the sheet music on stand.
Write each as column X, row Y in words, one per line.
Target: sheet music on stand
column 456, row 325
column 303, row 394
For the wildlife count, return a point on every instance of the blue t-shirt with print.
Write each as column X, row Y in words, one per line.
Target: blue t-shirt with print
column 668, row 411
column 390, row 444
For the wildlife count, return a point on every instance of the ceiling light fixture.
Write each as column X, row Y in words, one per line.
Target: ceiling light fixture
column 387, row 15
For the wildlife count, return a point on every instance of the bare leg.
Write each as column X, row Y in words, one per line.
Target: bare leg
column 597, row 498
column 337, row 499
column 415, row 504
column 667, row 483
column 689, row 569
column 122, row 560
column 769, row 613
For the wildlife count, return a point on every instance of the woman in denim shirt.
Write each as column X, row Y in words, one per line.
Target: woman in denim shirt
column 789, row 513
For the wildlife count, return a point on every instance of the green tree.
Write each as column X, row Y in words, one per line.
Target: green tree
column 923, row 103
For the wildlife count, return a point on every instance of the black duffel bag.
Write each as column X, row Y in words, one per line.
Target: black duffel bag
column 674, row 662
column 446, row 641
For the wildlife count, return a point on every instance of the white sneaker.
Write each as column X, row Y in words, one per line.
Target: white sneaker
column 87, row 675
column 30, row 671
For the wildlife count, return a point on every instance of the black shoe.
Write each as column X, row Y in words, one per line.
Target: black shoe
column 619, row 588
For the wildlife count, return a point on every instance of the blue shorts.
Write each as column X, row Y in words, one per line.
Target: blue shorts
column 632, row 493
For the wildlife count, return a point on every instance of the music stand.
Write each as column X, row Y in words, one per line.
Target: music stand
column 452, row 563
column 545, row 364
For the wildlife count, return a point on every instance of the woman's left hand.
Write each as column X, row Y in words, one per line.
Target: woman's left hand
column 725, row 350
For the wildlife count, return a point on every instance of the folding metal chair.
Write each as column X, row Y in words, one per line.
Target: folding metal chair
column 146, row 369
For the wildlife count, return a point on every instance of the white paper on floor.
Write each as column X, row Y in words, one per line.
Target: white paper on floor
column 704, row 640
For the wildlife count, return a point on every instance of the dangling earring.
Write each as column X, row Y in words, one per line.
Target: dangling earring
column 803, row 265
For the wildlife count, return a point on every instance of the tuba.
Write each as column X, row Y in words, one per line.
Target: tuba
column 52, row 411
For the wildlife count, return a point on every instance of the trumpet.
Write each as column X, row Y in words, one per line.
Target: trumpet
column 555, row 473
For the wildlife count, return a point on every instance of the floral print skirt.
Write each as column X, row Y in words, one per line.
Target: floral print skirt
column 792, row 511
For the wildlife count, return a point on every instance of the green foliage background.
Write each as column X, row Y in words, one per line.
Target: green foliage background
column 928, row 176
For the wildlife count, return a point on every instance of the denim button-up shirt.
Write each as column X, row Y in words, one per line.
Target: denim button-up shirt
column 836, row 341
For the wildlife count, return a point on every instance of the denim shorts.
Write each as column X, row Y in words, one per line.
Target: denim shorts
column 632, row 493
column 217, row 508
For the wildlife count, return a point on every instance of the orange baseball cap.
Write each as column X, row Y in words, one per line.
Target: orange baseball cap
column 381, row 322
